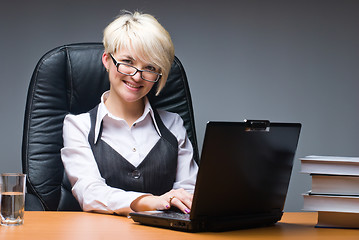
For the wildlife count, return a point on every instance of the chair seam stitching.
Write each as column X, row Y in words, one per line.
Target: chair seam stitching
column 70, row 77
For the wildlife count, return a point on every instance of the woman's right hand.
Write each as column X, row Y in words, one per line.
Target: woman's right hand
column 179, row 198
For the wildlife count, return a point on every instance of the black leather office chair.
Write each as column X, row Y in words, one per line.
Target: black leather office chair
column 71, row 79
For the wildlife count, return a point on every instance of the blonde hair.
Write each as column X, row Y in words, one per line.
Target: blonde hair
column 144, row 36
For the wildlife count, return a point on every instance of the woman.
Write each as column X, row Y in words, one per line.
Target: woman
column 123, row 155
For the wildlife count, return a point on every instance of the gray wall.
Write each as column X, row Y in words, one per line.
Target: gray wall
column 293, row 61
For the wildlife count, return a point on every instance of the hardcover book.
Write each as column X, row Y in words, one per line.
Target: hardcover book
column 338, row 220
column 330, row 203
column 333, row 165
column 335, row 184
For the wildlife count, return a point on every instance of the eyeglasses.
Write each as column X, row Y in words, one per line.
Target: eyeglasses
column 130, row 70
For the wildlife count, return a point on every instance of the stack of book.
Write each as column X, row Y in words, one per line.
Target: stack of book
column 335, row 190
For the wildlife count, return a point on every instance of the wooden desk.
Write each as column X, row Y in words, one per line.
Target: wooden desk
column 81, row 225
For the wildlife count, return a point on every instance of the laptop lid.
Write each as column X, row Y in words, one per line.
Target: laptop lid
column 243, row 177
column 245, row 168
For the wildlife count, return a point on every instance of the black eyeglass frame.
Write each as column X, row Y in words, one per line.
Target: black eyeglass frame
column 117, row 64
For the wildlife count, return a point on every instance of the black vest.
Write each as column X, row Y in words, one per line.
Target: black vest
column 155, row 174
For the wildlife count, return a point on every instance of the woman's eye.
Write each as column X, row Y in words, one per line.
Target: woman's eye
column 151, row 68
column 126, row 61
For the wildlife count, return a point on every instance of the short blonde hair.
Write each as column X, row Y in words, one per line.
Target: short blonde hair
column 144, row 36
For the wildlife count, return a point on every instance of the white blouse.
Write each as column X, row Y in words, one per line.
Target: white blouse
column 132, row 142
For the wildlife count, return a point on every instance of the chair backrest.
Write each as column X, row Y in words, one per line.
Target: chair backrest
column 71, row 79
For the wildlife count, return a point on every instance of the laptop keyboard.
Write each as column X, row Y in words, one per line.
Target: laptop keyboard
column 176, row 215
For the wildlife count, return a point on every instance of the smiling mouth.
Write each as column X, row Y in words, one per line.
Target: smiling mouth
column 132, row 86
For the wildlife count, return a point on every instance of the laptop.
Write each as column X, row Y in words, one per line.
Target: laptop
column 242, row 181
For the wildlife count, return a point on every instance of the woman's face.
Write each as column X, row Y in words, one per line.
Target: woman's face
column 127, row 88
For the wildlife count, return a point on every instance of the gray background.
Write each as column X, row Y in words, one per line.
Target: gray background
column 294, row 61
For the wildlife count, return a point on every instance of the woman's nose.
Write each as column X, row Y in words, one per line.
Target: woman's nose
column 137, row 77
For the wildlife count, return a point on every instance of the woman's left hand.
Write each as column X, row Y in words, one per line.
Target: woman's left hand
column 179, row 198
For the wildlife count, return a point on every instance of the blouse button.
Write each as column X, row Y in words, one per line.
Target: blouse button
column 134, row 149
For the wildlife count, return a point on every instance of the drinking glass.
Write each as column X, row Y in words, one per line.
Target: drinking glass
column 12, row 199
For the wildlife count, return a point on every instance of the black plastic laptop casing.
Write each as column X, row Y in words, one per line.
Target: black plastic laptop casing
column 243, row 178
